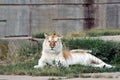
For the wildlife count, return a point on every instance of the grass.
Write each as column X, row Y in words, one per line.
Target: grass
column 94, row 33
column 90, row 33
column 72, row 71
column 55, row 78
column 29, row 53
column 101, row 76
column 38, row 35
column 3, row 49
column 76, row 35
column 103, row 32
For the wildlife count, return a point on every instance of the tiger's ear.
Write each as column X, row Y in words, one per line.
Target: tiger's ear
column 54, row 33
column 59, row 36
column 46, row 36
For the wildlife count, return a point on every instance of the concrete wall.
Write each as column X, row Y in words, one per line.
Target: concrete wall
column 26, row 17
column 108, row 14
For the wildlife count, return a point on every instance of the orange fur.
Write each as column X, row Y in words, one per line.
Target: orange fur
column 52, row 42
column 94, row 62
column 53, row 51
column 66, row 54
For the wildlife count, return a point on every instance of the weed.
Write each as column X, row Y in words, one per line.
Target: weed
column 103, row 32
column 38, row 35
column 72, row 71
column 28, row 50
column 55, row 79
column 76, row 35
column 3, row 49
column 85, row 76
column 30, row 53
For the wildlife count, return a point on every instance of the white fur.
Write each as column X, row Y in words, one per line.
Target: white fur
column 49, row 56
column 85, row 58
column 78, row 56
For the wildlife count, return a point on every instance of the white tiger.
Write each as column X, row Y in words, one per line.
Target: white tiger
column 53, row 54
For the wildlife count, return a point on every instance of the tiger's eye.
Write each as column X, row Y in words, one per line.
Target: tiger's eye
column 49, row 41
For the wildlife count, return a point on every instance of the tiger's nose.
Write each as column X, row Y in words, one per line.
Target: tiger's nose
column 52, row 48
column 52, row 45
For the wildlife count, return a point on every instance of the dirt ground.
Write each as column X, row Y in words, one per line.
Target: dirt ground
column 93, row 76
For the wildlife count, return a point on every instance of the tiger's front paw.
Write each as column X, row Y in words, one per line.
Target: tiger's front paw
column 37, row 66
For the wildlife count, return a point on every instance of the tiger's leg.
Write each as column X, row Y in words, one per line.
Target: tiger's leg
column 96, row 62
column 41, row 63
column 102, row 65
column 98, row 65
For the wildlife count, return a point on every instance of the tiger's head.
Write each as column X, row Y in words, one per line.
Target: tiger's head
column 52, row 43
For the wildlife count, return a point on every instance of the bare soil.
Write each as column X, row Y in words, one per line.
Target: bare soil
column 92, row 76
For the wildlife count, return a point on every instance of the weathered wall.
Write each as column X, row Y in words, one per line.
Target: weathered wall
column 14, row 19
column 25, row 17
column 108, row 14
column 60, row 18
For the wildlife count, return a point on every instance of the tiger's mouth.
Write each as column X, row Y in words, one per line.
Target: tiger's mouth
column 52, row 49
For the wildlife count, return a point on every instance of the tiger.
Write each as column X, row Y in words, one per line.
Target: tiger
column 53, row 54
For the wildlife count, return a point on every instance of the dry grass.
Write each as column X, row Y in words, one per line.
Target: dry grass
column 29, row 55
column 76, row 35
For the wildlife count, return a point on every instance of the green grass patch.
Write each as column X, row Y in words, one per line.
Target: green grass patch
column 56, row 79
column 89, row 33
column 29, row 50
column 38, row 35
column 30, row 53
column 103, row 32
column 70, row 72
